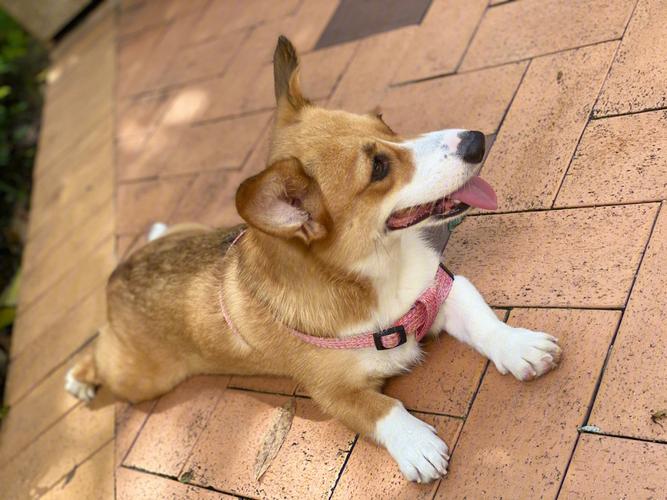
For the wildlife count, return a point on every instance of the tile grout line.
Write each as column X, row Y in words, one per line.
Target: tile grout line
column 136, row 436
column 472, row 38
column 579, row 307
column 628, row 438
column 629, row 113
column 66, row 312
column 657, row 201
column 172, row 213
column 61, row 159
column 610, row 348
column 567, row 466
column 257, row 144
column 135, row 239
column 509, row 105
column 190, row 125
column 343, row 467
column 158, row 24
column 258, row 391
column 589, row 408
column 175, row 479
column 592, row 111
column 506, row 317
column 498, row 65
column 581, row 134
column 35, row 437
column 357, row 47
column 94, row 211
column 72, row 265
column 245, row 31
column 77, row 465
column 232, row 116
column 208, row 419
column 540, row 55
column 613, row 60
column 464, row 419
column 26, row 309
column 494, row 5
column 65, row 360
column 436, row 414
column 178, row 175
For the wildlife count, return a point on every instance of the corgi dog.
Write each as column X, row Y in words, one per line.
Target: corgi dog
column 332, row 280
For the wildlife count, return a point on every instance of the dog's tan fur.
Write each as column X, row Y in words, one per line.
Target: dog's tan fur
column 310, row 214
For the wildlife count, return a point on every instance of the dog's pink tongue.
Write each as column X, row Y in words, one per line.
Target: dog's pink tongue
column 477, row 193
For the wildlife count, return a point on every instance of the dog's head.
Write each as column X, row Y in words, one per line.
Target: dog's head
column 342, row 184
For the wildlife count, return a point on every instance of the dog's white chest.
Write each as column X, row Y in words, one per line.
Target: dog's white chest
column 392, row 361
column 399, row 279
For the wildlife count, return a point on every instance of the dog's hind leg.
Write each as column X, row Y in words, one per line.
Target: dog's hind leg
column 82, row 379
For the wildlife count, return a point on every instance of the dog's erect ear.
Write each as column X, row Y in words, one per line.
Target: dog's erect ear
column 283, row 201
column 286, row 79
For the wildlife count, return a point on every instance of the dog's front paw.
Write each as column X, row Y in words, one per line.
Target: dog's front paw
column 420, row 454
column 524, row 353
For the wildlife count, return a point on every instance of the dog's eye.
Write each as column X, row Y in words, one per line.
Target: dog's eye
column 380, row 168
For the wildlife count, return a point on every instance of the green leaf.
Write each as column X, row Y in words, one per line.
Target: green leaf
column 10, row 295
column 7, row 315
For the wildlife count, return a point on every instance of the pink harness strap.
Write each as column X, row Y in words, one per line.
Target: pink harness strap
column 417, row 321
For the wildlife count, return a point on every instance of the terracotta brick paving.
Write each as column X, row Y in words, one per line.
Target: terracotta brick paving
column 157, row 109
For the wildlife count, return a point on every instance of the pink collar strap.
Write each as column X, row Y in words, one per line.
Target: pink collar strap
column 417, row 321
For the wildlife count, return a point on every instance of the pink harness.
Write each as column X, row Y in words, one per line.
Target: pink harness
column 417, row 321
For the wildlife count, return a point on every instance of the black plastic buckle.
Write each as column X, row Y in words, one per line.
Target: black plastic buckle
column 402, row 337
column 444, row 268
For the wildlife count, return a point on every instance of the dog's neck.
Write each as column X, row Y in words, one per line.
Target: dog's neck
column 399, row 271
column 304, row 293
column 299, row 290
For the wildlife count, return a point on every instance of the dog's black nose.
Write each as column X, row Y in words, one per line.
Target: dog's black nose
column 471, row 147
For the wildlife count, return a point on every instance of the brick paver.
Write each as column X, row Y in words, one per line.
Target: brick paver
column 144, row 202
column 366, row 80
column 135, row 485
column 314, row 451
column 448, row 378
column 68, row 443
column 605, row 467
column 71, row 289
column 518, row 437
column 564, row 258
column 632, row 387
column 619, row 160
column 175, row 425
column 447, row 102
column 542, row 128
column 368, row 473
column 34, row 414
column 437, row 47
column 528, row 28
column 157, row 109
column 638, row 79
column 91, row 480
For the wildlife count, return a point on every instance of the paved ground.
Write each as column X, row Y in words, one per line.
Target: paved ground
column 157, row 109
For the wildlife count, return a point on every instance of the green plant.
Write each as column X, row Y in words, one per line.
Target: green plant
column 22, row 63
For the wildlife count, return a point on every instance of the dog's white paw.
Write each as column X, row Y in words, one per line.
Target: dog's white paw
column 524, row 353
column 80, row 390
column 420, row 454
